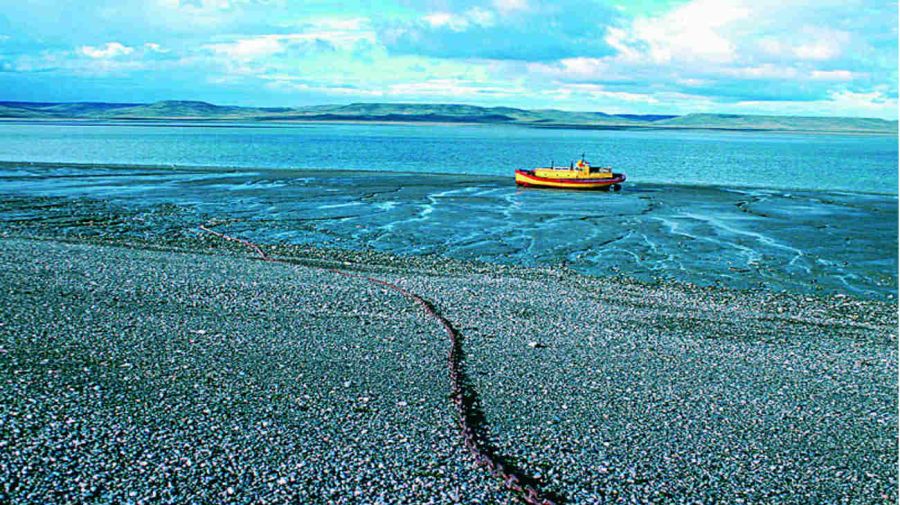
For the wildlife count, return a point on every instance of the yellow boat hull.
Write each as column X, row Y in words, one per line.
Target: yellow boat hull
column 529, row 179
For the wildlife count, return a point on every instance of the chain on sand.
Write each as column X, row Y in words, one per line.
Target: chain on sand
column 474, row 441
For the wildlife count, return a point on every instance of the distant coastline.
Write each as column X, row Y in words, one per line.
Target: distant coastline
column 398, row 113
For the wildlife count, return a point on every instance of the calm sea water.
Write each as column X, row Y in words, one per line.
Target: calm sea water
column 769, row 160
column 782, row 211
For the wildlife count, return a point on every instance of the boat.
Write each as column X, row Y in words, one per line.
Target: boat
column 580, row 175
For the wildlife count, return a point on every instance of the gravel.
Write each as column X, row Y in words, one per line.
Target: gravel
column 612, row 390
column 182, row 370
column 152, row 377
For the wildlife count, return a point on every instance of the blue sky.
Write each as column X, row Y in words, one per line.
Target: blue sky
column 822, row 57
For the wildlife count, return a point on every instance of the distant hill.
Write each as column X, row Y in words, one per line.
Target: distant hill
column 647, row 117
column 795, row 123
column 60, row 110
column 443, row 113
column 173, row 109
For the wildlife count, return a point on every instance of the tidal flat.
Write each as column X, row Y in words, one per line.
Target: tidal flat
column 144, row 361
column 823, row 242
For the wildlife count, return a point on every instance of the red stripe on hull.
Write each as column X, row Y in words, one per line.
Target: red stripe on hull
column 615, row 179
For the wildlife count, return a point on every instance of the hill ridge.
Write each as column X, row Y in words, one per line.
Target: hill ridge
column 437, row 112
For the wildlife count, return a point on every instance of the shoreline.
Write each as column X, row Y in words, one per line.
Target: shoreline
column 193, row 240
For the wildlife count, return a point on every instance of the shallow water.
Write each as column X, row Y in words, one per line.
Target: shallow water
column 809, row 241
column 700, row 158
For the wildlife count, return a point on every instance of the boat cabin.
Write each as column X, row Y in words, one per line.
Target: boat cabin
column 576, row 170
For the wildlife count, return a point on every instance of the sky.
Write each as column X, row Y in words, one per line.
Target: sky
column 802, row 57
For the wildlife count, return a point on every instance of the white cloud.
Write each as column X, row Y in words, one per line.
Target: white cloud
column 723, row 49
column 820, row 50
column 337, row 23
column 598, row 91
column 772, row 46
column 475, row 16
column 832, row 75
column 441, row 19
column 213, row 5
column 480, row 17
column 199, row 15
column 721, row 32
column 507, row 6
column 813, row 43
column 821, row 43
column 871, row 99
column 583, row 67
column 690, row 81
column 110, row 50
column 250, row 48
column 155, row 48
column 695, row 31
column 839, row 103
column 764, row 71
column 616, row 38
column 337, row 33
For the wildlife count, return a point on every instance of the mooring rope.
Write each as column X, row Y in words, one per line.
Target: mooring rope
column 467, row 411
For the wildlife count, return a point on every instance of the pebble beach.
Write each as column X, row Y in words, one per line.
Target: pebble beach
column 164, row 365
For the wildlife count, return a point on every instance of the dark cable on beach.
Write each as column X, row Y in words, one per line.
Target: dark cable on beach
column 513, row 479
column 251, row 245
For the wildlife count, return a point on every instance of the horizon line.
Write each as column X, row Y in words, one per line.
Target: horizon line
column 338, row 104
